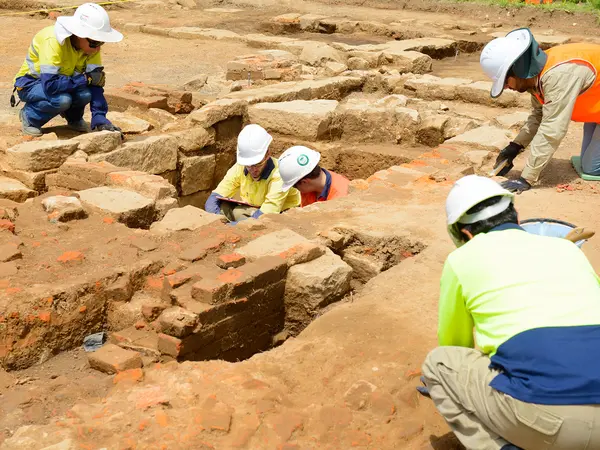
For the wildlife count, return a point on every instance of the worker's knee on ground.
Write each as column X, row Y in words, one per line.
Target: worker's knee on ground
column 81, row 97
column 61, row 102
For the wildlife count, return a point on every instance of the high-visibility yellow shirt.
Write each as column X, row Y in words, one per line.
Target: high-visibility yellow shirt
column 534, row 302
column 265, row 193
column 47, row 55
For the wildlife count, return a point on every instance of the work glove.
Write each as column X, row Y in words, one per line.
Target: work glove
column 423, row 389
column 519, row 185
column 109, row 127
column 212, row 204
column 508, row 153
column 96, row 77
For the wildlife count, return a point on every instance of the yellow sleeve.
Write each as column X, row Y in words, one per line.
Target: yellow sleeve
column 50, row 56
column 93, row 62
column 455, row 324
column 275, row 198
column 230, row 184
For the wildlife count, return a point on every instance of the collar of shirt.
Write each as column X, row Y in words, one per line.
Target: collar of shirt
column 61, row 33
column 266, row 173
column 325, row 192
column 507, row 226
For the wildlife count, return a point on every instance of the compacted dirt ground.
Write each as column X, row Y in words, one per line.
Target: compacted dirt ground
column 307, row 391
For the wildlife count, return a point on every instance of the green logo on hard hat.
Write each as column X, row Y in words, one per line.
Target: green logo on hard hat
column 302, row 160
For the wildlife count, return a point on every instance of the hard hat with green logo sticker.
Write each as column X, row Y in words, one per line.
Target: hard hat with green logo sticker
column 295, row 163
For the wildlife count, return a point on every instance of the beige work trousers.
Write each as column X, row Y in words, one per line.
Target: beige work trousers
column 235, row 212
column 483, row 418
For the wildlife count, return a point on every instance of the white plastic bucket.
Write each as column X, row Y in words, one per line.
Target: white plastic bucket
column 550, row 227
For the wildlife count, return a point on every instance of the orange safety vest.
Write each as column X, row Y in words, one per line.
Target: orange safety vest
column 587, row 105
column 339, row 188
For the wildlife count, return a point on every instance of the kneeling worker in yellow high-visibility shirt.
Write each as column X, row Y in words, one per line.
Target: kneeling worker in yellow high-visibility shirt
column 255, row 178
column 535, row 384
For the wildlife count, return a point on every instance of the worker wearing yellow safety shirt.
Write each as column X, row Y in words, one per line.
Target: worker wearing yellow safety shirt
column 255, row 177
column 564, row 86
column 63, row 72
column 535, row 382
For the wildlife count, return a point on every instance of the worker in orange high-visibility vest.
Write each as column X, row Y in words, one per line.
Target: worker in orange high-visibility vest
column 563, row 84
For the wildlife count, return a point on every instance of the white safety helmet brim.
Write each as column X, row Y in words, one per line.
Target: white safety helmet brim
column 251, row 160
column 296, row 171
column 83, row 25
column 468, row 192
column 499, row 55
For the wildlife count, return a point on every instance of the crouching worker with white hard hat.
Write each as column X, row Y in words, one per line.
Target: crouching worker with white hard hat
column 299, row 168
column 63, row 72
column 255, row 178
column 564, row 86
column 535, row 382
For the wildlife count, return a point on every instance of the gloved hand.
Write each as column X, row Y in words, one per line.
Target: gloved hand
column 109, row 127
column 96, row 77
column 508, row 153
column 235, row 222
column 423, row 389
column 519, row 185
column 212, row 204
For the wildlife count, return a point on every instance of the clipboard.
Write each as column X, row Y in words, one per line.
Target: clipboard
column 235, row 201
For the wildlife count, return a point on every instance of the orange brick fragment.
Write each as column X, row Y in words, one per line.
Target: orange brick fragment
column 108, row 220
column 131, row 375
column 71, row 256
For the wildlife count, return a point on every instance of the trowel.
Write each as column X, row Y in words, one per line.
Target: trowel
column 496, row 170
column 579, row 234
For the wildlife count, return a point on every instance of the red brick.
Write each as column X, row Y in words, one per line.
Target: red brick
column 112, row 359
column 211, row 291
column 169, row 345
column 177, row 321
column 108, row 220
column 260, row 273
column 302, row 253
column 152, row 311
column 71, row 257
column 6, row 224
column 129, row 376
column 121, row 100
column 230, row 260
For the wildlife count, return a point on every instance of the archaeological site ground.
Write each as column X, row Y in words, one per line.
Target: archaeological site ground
column 304, row 330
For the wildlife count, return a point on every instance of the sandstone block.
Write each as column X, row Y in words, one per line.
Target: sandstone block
column 98, row 141
column 304, row 119
column 513, row 121
column 458, row 125
column 313, row 285
column 435, row 47
column 120, row 100
column 355, row 63
column 316, row 54
column 14, row 190
column 9, row 252
column 73, row 183
column 479, row 92
column 217, row 111
column 94, row 172
column 129, row 124
column 177, row 321
column 430, row 87
column 63, row 209
column 130, row 208
column 486, row 137
column 143, row 341
column 272, row 244
column 155, row 154
column 35, row 156
column 197, row 173
column 112, row 359
column 186, row 218
column 431, row 129
column 152, row 186
column 333, row 68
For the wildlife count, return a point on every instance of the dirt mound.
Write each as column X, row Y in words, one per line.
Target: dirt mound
column 21, row 5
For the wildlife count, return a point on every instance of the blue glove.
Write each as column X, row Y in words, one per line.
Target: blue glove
column 257, row 214
column 235, row 222
column 213, row 205
column 519, row 185
column 423, row 390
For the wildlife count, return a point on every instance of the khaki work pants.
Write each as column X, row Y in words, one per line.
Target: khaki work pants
column 235, row 212
column 482, row 418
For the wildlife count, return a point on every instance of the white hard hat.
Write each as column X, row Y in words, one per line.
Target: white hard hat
column 498, row 56
column 468, row 192
column 295, row 163
column 252, row 145
column 90, row 21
